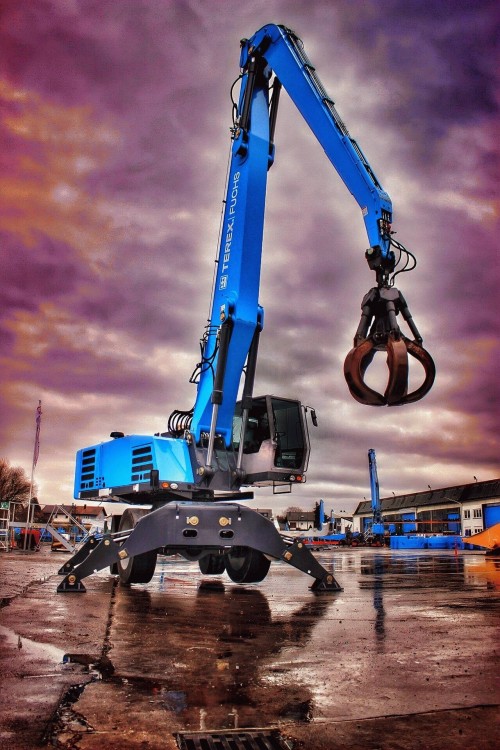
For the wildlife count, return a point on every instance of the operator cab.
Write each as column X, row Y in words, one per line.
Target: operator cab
column 275, row 443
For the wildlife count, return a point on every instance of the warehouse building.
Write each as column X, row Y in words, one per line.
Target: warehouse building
column 465, row 509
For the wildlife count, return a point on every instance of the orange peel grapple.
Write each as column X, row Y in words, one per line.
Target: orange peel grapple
column 378, row 330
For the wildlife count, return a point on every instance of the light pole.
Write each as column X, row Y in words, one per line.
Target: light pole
column 36, row 451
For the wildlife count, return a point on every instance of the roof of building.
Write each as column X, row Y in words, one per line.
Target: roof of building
column 461, row 493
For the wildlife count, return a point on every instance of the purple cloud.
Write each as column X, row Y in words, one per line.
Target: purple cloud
column 116, row 124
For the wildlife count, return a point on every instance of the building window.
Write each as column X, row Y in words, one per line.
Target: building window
column 477, row 513
column 477, row 531
column 466, row 513
column 468, row 532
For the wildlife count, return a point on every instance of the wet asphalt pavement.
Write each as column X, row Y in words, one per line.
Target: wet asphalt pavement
column 407, row 656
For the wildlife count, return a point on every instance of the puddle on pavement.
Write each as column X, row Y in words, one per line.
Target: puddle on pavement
column 207, row 654
column 31, row 648
column 240, row 655
column 219, row 640
column 483, row 569
column 410, row 571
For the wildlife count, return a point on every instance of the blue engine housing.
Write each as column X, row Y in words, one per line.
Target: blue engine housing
column 128, row 462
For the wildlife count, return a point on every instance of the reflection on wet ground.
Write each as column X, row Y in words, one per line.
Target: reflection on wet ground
column 205, row 650
column 411, row 634
column 483, row 568
column 215, row 654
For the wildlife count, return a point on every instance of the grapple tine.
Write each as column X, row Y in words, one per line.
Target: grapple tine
column 425, row 359
column 397, row 362
column 355, row 366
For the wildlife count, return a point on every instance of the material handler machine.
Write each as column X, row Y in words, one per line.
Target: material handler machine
column 375, row 532
column 191, row 477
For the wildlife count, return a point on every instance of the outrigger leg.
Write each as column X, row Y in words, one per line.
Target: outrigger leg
column 197, row 529
column 79, row 556
column 104, row 554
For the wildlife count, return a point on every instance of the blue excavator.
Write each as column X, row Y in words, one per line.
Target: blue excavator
column 192, row 478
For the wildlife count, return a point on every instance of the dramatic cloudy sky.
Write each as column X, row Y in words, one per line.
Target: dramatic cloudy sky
column 115, row 119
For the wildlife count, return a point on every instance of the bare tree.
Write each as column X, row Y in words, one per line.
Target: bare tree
column 14, row 483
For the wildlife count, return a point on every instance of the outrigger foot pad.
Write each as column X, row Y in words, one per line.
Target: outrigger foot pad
column 329, row 583
column 71, row 585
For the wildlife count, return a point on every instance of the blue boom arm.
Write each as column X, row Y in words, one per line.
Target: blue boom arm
column 236, row 317
column 235, row 314
column 284, row 53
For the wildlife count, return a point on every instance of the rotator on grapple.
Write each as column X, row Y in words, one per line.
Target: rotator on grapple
column 191, row 476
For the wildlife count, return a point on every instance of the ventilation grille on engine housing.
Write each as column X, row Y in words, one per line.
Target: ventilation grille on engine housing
column 142, row 463
column 87, row 474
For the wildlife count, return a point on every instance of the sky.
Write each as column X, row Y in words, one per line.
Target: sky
column 115, row 122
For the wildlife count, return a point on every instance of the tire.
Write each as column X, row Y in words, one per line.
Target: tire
column 141, row 568
column 212, row 565
column 115, row 525
column 246, row 565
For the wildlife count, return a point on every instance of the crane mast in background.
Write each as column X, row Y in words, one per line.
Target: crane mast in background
column 377, row 526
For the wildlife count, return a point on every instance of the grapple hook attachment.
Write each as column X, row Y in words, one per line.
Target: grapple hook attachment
column 379, row 308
